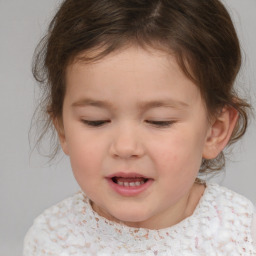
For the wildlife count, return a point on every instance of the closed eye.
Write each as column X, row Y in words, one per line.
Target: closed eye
column 95, row 123
column 160, row 123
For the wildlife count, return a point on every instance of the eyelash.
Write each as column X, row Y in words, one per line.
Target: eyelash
column 160, row 123
column 98, row 123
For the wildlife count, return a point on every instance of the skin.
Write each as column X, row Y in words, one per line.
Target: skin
column 155, row 125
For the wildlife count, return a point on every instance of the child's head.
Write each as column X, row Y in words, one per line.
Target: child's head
column 198, row 34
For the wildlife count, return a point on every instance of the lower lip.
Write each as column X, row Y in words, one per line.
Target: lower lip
column 129, row 191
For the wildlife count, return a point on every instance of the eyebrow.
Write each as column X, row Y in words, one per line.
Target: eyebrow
column 92, row 102
column 169, row 103
column 144, row 105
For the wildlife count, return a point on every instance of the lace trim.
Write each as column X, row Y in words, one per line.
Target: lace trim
column 73, row 228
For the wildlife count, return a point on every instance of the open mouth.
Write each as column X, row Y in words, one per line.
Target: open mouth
column 129, row 182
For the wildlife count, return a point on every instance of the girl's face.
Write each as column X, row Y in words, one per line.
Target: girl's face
column 135, row 128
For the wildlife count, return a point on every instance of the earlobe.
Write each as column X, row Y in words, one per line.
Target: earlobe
column 58, row 124
column 220, row 132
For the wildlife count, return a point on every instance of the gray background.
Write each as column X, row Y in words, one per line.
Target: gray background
column 27, row 184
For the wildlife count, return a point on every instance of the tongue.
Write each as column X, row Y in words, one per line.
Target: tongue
column 137, row 179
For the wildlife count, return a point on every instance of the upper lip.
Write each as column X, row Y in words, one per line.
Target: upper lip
column 127, row 175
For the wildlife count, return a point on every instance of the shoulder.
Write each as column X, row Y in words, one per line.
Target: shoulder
column 51, row 230
column 234, row 214
column 231, row 206
column 227, row 199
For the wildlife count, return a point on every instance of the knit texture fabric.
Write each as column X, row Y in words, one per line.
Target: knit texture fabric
column 220, row 225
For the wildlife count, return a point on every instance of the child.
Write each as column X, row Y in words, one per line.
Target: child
column 141, row 95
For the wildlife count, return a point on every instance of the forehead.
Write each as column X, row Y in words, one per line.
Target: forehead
column 145, row 72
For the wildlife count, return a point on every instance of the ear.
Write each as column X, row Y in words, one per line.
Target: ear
column 220, row 132
column 58, row 124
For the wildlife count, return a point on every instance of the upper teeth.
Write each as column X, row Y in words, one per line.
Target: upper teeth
column 130, row 184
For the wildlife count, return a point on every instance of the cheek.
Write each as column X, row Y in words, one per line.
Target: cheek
column 85, row 154
column 86, row 167
column 178, row 155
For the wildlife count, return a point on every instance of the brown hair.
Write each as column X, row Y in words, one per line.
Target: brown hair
column 199, row 33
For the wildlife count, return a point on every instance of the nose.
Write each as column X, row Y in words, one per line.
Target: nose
column 126, row 143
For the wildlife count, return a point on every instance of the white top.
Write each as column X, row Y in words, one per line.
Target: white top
column 222, row 224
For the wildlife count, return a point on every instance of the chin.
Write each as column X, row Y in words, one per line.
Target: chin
column 131, row 218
